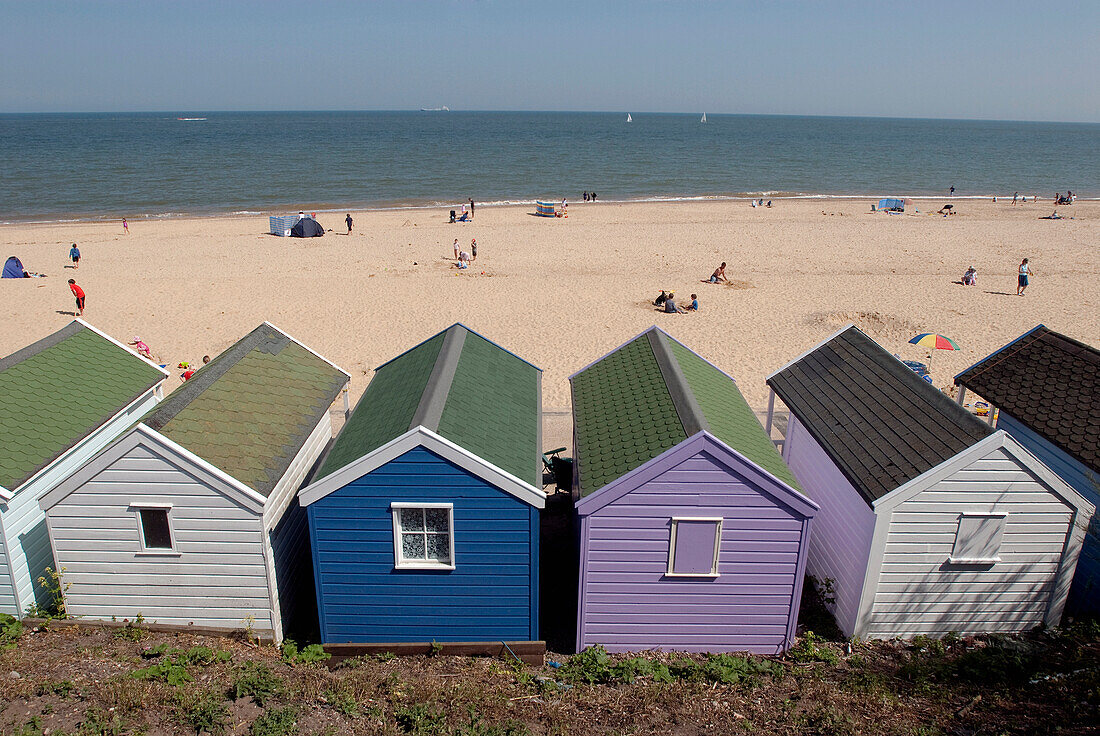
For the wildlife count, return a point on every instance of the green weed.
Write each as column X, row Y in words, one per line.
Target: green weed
column 256, row 679
column 281, row 722
column 11, row 629
column 311, row 654
column 342, row 701
column 811, row 648
column 168, row 672
column 206, row 712
column 420, row 718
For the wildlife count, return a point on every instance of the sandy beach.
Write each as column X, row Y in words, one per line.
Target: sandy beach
column 562, row 292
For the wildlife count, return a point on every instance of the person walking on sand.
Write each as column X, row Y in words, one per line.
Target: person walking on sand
column 471, row 208
column 348, row 221
column 473, row 248
column 1014, row 196
column 125, row 226
column 951, row 193
column 456, row 248
column 79, row 294
column 74, row 254
column 1021, row 282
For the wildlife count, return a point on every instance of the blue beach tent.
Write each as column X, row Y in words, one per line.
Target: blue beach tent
column 13, row 269
column 891, row 205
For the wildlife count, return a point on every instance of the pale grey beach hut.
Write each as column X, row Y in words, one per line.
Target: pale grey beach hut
column 931, row 521
column 191, row 517
column 62, row 399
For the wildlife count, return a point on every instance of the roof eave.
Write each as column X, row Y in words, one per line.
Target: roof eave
column 998, row 351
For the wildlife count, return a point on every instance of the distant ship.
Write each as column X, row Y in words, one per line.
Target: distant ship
column 190, row 118
column 435, row 109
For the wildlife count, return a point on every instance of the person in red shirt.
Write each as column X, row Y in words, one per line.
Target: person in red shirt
column 79, row 294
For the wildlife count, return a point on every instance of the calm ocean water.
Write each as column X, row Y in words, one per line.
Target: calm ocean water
column 113, row 165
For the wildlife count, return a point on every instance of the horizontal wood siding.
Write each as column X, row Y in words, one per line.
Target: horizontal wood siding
column 8, row 603
column 919, row 593
column 843, row 527
column 627, row 603
column 1084, row 596
column 25, row 522
column 362, row 598
column 219, row 579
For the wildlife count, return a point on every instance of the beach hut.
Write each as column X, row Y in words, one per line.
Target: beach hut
column 693, row 534
column 1044, row 389
column 424, row 522
column 191, row 517
column 931, row 522
column 62, row 399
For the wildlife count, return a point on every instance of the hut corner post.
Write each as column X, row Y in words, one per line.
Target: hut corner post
column 962, row 396
column 347, row 404
column 771, row 415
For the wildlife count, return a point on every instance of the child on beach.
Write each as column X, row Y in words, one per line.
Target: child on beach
column 1021, row 282
column 456, row 248
column 719, row 275
column 140, row 347
column 348, row 221
column 74, row 254
column 670, row 305
column 125, row 226
column 694, row 306
column 79, row 294
column 970, row 278
column 473, row 248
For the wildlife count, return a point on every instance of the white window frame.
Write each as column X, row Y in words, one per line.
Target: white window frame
column 953, row 560
column 399, row 562
column 674, row 522
column 137, row 507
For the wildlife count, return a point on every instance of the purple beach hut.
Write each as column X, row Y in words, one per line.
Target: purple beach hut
column 693, row 534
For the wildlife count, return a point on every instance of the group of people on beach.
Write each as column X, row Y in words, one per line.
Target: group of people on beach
column 666, row 300
column 589, row 196
column 463, row 257
column 970, row 278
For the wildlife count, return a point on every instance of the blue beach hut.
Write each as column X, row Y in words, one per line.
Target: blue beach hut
column 424, row 520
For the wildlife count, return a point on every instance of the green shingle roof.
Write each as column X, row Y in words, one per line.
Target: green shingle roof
column 461, row 386
column 251, row 409
column 649, row 396
column 58, row 391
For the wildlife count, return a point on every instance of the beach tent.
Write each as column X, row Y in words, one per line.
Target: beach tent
column 13, row 269
column 891, row 205
column 307, row 227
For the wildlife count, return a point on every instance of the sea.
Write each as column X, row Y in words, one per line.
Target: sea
column 61, row 167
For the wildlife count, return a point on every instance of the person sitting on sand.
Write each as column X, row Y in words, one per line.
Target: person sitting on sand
column 463, row 259
column 670, row 305
column 661, row 299
column 694, row 306
column 141, row 348
column 719, row 275
column 970, row 278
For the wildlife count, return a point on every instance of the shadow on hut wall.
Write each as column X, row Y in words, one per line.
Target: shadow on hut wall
column 558, row 563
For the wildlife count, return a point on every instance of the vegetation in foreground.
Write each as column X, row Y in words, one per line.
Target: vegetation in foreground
column 89, row 681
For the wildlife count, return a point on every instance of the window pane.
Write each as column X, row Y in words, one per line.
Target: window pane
column 439, row 547
column 412, row 546
column 437, row 520
column 978, row 538
column 694, row 553
column 412, row 520
column 154, row 528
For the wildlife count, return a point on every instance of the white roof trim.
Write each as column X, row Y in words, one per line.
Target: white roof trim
column 999, row 439
column 828, row 339
column 422, row 437
column 5, row 494
column 308, row 348
column 126, row 442
column 127, row 348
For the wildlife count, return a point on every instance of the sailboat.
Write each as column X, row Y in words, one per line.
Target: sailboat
column 629, row 119
column 703, row 119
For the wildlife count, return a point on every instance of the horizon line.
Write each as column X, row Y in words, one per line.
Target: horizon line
column 177, row 111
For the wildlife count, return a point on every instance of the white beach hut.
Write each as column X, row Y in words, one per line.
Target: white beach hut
column 191, row 518
column 931, row 521
column 62, row 400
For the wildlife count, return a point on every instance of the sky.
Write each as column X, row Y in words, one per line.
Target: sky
column 973, row 59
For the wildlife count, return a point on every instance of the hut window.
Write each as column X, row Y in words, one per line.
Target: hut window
column 154, row 527
column 978, row 539
column 693, row 547
column 423, row 535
